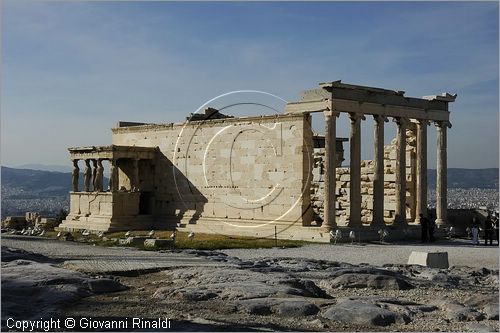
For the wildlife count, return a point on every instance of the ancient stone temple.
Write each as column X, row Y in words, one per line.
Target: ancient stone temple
column 268, row 175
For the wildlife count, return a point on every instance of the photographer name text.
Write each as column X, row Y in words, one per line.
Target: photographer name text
column 51, row 324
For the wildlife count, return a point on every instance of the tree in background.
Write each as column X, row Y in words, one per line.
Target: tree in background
column 61, row 215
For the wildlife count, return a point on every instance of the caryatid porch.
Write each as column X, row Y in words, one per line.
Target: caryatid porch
column 358, row 102
column 127, row 202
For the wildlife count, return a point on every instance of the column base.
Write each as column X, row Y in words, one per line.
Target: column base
column 328, row 228
column 400, row 221
column 376, row 224
column 441, row 223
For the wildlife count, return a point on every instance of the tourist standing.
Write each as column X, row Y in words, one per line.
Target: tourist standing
column 424, row 225
column 432, row 227
column 488, row 230
column 495, row 227
column 475, row 231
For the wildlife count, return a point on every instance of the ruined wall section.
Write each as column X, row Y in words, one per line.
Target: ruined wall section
column 245, row 170
column 367, row 175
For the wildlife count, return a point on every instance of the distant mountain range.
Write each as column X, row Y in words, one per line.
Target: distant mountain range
column 42, row 182
column 467, row 178
column 28, row 182
column 46, row 167
column 38, row 183
column 35, row 190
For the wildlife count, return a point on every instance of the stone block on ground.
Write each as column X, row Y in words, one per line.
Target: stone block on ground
column 163, row 243
column 67, row 236
column 46, row 223
column 429, row 259
column 14, row 222
column 134, row 241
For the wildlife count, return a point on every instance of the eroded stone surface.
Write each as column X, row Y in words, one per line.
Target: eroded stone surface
column 275, row 293
column 32, row 289
column 287, row 307
column 350, row 311
column 375, row 281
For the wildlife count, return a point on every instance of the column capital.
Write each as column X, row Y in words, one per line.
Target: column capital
column 442, row 123
column 355, row 117
column 400, row 120
column 423, row 122
column 330, row 113
column 379, row 118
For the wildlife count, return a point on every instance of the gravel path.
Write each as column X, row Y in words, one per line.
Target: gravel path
column 460, row 253
column 99, row 259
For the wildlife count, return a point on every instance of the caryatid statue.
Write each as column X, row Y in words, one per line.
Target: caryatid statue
column 94, row 174
column 75, row 175
column 87, row 176
column 113, row 179
column 99, row 176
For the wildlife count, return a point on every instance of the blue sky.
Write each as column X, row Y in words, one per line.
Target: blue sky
column 71, row 70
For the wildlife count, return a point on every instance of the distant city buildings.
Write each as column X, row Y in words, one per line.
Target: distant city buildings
column 458, row 198
column 467, row 198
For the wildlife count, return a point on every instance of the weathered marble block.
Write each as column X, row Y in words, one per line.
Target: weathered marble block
column 429, row 259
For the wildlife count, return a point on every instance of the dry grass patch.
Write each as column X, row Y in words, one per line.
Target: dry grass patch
column 199, row 241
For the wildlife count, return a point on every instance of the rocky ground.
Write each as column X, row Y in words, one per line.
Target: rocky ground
column 210, row 290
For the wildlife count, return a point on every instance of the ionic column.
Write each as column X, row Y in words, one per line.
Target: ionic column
column 355, row 170
column 135, row 181
column 442, row 173
column 87, row 176
column 75, row 175
column 330, row 169
column 378, row 178
column 421, row 193
column 113, row 176
column 400, row 218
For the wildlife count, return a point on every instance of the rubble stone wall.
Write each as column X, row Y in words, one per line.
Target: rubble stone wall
column 367, row 175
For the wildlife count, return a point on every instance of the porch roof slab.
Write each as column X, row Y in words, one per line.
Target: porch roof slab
column 112, row 152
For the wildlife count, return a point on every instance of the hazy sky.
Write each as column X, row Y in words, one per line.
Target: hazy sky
column 71, row 70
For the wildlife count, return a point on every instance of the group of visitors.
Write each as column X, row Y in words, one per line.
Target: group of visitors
column 428, row 226
column 490, row 229
column 491, row 224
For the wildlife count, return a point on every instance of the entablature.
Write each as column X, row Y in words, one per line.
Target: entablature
column 337, row 96
column 112, row 152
